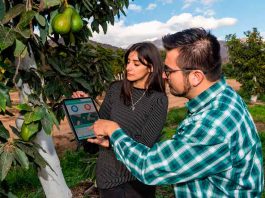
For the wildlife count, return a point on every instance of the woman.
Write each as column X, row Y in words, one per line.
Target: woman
column 139, row 105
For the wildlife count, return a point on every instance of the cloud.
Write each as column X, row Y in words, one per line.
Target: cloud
column 135, row 7
column 188, row 3
column 208, row 2
column 151, row 6
column 205, row 12
column 166, row 1
column 263, row 35
column 121, row 35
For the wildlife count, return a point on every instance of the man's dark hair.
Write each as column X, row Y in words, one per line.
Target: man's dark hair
column 198, row 49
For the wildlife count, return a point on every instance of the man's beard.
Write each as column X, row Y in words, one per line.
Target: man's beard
column 185, row 91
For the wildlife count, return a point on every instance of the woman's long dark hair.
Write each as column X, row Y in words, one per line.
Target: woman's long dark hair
column 148, row 55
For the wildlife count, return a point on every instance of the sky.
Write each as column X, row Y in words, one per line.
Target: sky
column 148, row 20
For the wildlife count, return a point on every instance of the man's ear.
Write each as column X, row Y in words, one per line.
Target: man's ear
column 196, row 78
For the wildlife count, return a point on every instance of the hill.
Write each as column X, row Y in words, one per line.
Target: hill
column 159, row 45
column 223, row 51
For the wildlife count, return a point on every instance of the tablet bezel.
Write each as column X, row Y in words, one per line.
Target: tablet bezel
column 69, row 119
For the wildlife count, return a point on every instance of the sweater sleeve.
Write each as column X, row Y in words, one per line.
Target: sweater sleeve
column 153, row 126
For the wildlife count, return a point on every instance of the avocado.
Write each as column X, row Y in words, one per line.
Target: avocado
column 76, row 23
column 61, row 23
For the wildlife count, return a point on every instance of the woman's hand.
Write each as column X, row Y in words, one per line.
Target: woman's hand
column 102, row 141
column 79, row 94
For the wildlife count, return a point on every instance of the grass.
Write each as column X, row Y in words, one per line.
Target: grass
column 25, row 183
column 257, row 112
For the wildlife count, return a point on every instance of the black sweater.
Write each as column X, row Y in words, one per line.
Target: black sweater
column 144, row 125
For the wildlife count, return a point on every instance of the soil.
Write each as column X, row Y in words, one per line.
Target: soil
column 64, row 139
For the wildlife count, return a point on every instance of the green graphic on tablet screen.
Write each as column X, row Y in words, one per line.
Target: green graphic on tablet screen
column 82, row 113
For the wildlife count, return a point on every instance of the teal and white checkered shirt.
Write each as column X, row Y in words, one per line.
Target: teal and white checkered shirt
column 216, row 151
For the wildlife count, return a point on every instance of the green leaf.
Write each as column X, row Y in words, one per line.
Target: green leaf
column 25, row 33
column 84, row 83
column 33, row 127
column 55, row 121
column 24, row 107
column 25, row 19
column 47, row 123
column 5, row 163
column 4, row 97
column 1, row 148
column 35, row 115
column 3, row 132
column 7, row 37
column 21, row 158
column 38, row 159
column 26, row 148
column 44, row 31
column 15, row 130
column 2, row 102
column 2, row 9
column 52, row 15
column 51, row 3
column 41, row 19
column 20, row 50
column 104, row 26
column 13, row 12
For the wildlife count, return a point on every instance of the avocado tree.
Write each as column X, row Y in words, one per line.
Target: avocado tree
column 45, row 56
column 247, row 56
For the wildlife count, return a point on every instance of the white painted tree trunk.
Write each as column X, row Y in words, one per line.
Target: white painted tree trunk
column 53, row 182
column 253, row 98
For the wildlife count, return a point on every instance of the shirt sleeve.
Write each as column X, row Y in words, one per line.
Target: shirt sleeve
column 173, row 161
column 151, row 131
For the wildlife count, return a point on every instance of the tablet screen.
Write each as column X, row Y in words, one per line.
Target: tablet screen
column 81, row 113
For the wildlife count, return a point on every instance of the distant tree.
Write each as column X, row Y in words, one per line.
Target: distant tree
column 118, row 64
column 229, row 70
column 248, row 59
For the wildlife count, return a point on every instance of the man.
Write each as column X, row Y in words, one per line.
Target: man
column 216, row 151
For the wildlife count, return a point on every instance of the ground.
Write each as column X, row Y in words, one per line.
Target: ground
column 64, row 138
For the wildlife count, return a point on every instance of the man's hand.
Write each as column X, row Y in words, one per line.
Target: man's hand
column 104, row 128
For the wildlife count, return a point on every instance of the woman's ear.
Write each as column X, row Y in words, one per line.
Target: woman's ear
column 151, row 69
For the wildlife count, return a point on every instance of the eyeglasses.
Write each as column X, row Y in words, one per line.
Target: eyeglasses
column 168, row 70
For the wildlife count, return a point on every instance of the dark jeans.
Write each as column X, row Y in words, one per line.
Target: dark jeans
column 133, row 189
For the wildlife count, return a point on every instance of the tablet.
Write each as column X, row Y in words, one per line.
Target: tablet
column 81, row 114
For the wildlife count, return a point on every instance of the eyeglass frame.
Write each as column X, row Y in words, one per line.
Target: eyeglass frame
column 168, row 70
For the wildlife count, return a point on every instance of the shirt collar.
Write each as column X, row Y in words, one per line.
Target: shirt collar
column 199, row 101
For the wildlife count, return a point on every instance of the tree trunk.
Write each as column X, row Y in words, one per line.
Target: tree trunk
column 53, row 182
column 253, row 98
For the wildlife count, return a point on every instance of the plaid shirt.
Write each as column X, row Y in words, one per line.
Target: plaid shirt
column 216, row 151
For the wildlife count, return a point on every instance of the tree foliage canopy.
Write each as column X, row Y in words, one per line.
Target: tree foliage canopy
column 247, row 56
column 52, row 65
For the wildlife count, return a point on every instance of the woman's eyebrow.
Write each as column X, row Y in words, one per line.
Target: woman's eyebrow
column 133, row 59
